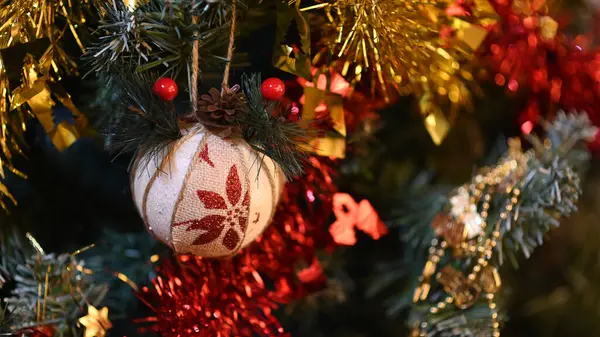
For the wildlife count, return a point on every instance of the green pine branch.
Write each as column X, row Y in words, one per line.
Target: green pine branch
column 550, row 189
column 45, row 288
column 129, row 254
column 139, row 121
column 272, row 135
column 158, row 36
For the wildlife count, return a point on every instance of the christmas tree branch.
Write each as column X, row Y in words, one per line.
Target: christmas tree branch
column 46, row 289
column 274, row 136
column 504, row 211
column 158, row 35
column 141, row 122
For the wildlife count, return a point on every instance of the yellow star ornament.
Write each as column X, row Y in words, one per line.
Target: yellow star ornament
column 96, row 322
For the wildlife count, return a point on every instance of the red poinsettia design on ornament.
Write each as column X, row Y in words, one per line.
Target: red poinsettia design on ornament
column 228, row 215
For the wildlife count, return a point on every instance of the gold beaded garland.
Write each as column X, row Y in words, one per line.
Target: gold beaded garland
column 464, row 229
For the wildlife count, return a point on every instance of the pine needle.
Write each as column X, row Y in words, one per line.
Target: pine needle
column 156, row 36
column 273, row 136
column 142, row 122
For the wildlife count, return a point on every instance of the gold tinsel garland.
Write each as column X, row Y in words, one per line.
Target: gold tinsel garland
column 32, row 62
column 412, row 47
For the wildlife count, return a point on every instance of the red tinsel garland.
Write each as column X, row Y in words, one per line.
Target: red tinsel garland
column 192, row 296
column 530, row 53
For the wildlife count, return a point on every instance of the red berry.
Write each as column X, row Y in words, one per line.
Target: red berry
column 272, row 88
column 165, row 88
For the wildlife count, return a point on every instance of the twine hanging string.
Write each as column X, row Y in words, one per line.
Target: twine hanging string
column 195, row 67
column 195, row 51
column 225, row 84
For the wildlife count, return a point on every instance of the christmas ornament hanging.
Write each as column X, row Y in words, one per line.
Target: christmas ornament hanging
column 208, row 184
column 206, row 195
column 235, row 288
column 273, row 89
column 165, row 88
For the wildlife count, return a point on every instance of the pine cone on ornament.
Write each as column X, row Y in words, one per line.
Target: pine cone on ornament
column 220, row 109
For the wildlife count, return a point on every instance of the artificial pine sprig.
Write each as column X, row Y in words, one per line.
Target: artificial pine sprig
column 141, row 122
column 274, row 136
column 504, row 210
column 48, row 290
column 157, row 35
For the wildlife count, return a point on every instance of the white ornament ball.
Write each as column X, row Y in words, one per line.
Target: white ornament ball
column 206, row 195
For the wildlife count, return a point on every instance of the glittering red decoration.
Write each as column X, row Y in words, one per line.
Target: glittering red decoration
column 351, row 215
column 38, row 331
column 204, row 156
column 214, row 224
column 196, row 297
column 531, row 55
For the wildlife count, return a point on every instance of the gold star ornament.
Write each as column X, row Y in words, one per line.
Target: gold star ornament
column 96, row 322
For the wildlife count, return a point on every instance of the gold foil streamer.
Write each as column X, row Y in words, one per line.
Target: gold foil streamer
column 333, row 144
column 28, row 25
column 35, row 91
column 410, row 47
column 24, row 21
column 435, row 121
column 292, row 41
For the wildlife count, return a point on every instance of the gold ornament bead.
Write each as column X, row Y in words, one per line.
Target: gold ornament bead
column 453, row 232
column 548, row 28
column 490, row 280
column 452, row 280
column 421, row 292
column 429, row 269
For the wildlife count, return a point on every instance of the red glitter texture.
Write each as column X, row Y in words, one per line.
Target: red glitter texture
column 559, row 72
column 192, row 296
column 213, row 224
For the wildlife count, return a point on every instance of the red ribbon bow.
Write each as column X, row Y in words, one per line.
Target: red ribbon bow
column 349, row 215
